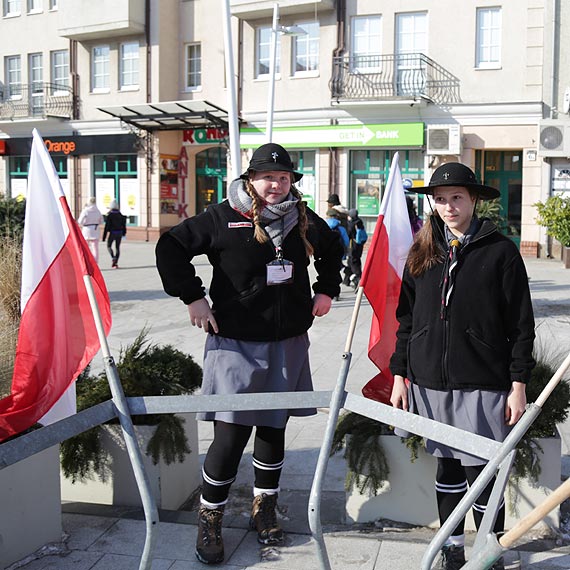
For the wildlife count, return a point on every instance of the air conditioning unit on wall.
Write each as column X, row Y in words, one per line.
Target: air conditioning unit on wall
column 554, row 138
column 444, row 139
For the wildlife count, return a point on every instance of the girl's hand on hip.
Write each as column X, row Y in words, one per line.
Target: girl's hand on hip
column 321, row 305
column 516, row 403
column 399, row 397
column 201, row 315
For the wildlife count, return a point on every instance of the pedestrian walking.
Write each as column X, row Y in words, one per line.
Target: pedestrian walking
column 89, row 220
column 357, row 238
column 465, row 337
column 259, row 241
column 115, row 229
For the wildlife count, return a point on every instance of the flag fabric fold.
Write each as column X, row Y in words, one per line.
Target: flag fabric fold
column 57, row 336
column 382, row 279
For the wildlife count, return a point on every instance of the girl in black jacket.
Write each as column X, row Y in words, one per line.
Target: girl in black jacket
column 465, row 337
column 259, row 243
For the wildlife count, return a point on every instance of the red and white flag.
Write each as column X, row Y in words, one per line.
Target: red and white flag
column 57, row 336
column 382, row 279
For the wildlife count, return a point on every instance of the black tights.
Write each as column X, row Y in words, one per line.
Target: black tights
column 223, row 457
column 451, row 485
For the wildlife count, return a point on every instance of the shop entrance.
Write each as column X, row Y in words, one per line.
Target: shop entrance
column 211, row 177
column 503, row 170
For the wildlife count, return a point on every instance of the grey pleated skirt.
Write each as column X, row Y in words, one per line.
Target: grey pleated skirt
column 477, row 411
column 243, row 367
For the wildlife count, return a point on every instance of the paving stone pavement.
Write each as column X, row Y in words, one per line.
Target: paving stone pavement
column 111, row 538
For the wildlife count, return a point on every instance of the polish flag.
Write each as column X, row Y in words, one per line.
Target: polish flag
column 382, row 279
column 57, row 336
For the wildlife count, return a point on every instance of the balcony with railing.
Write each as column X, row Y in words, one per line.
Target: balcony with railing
column 37, row 100
column 392, row 77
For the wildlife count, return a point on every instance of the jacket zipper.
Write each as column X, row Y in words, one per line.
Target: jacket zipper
column 445, row 359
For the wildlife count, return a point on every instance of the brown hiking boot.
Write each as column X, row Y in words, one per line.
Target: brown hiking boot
column 209, row 544
column 452, row 558
column 264, row 519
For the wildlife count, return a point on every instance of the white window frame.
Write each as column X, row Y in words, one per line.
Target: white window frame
column 59, row 73
column 13, row 76
column 366, row 40
column 309, row 45
column 36, row 82
column 35, row 6
column 193, row 66
column 12, row 8
column 129, row 57
column 263, row 52
column 53, row 5
column 488, row 40
column 100, row 73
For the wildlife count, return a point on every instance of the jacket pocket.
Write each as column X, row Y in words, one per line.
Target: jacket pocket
column 482, row 342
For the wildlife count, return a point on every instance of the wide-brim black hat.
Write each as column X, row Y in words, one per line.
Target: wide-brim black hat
column 271, row 156
column 456, row 174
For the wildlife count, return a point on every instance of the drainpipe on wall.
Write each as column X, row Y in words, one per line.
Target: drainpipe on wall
column 338, row 51
column 149, row 137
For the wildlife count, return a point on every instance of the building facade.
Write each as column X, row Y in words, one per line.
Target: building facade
column 132, row 97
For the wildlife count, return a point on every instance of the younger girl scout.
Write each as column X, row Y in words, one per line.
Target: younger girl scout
column 259, row 242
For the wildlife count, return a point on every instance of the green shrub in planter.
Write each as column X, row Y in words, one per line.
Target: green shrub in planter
column 554, row 215
column 144, row 369
column 367, row 466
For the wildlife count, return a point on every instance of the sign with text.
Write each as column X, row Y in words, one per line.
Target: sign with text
column 383, row 135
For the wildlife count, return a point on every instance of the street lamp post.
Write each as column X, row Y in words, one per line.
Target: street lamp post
column 284, row 30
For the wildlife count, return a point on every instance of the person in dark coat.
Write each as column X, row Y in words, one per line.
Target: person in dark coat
column 260, row 242
column 465, row 337
column 115, row 229
column 353, row 268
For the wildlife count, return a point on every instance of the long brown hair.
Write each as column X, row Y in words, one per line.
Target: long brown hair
column 425, row 251
column 260, row 235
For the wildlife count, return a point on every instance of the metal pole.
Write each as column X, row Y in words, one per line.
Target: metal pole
column 235, row 157
column 133, row 449
column 272, row 64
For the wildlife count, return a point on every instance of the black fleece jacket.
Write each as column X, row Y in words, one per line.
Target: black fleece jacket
column 245, row 307
column 487, row 338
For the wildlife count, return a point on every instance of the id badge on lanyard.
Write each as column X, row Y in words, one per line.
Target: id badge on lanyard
column 280, row 270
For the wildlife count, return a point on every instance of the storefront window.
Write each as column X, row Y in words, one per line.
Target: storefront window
column 18, row 167
column 211, row 175
column 115, row 178
column 304, row 162
column 369, row 171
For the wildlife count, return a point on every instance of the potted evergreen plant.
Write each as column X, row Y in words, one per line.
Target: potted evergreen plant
column 95, row 464
column 379, row 474
column 554, row 215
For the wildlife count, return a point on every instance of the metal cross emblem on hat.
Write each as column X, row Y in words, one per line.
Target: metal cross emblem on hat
column 446, row 175
column 275, row 156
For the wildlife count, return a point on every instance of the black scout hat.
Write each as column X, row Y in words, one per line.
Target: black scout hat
column 271, row 156
column 457, row 174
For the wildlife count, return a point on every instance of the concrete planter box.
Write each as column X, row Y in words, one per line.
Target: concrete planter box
column 31, row 505
column 171, row 484
column 409, row 495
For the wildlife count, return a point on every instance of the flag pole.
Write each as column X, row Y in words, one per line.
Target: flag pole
column 133, row 449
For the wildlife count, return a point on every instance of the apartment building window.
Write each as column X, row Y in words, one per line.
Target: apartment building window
column 411, row 43
column 263, row 52
column 129, row 67
column 11, row 7
column 488, row 54
column 59, row 71
column 53, row 4
column 366, row 44
column 100, row 69
column 36, row 74
column 306, row 50
column 193, row 71
column 13, row 67
column 34, row 6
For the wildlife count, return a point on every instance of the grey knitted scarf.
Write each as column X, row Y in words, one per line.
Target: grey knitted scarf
column 277, row 219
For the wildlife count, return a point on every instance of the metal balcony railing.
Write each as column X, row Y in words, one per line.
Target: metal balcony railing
column 392, row 77
column 37, row 100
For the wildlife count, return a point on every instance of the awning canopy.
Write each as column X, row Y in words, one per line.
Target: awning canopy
column 170, row 116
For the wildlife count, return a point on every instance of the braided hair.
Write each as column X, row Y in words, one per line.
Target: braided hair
column 257, row 206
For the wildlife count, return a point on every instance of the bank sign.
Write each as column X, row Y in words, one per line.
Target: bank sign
column 380, row 135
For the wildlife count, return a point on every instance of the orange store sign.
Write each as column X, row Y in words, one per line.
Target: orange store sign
column 66, row 147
